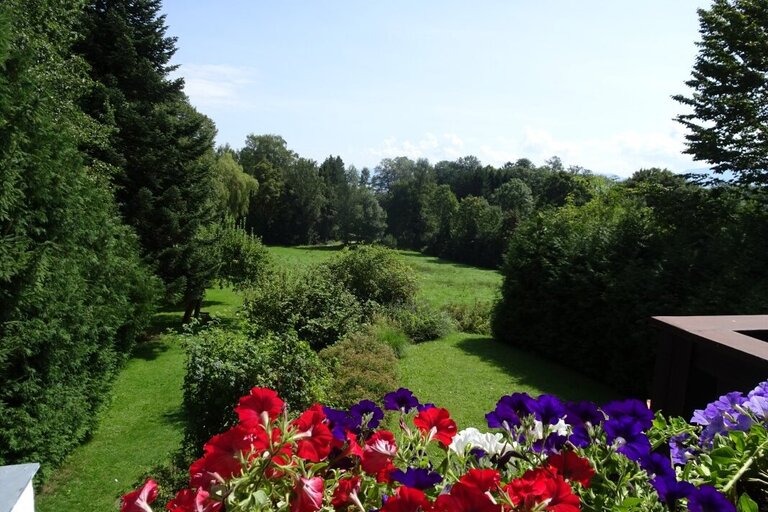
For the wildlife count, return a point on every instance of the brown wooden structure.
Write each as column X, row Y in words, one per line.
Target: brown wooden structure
column 700, row 358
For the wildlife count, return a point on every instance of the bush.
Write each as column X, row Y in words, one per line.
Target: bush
column 374, row 274
column 361, row 366
column 320, row 310
column 422, row 322
column 580, row 283
column 473, row 318
column 224, row 365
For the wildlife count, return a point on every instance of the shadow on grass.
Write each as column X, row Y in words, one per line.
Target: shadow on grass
column 149, row 350
column 440, row 261
column 330, row 248
column 176, row 417
column 537, row 372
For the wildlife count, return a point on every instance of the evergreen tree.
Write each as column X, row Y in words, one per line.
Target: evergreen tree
column 160, row 147
column 73, row 291
column 728, row 125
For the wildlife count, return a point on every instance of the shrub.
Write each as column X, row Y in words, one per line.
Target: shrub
column 422, row 322
column 580, row 282
column 361, row 366
column 374, row 274
column 473, row 318
column 320, row 310
column 223, row 365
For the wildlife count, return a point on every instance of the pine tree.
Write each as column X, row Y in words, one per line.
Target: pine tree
column 161, row 148
column 728, row 125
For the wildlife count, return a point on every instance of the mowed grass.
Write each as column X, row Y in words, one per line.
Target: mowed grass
column 441, row 281
column 468, row 373
column 464, row 373
column 141, row 425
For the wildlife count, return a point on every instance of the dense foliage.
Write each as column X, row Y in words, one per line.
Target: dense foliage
column 73, row 292
column 223, row 364
column 580, row 281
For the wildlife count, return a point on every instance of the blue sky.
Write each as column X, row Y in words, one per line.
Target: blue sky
column 589, row 81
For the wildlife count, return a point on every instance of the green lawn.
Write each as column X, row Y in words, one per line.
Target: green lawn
column 468, row 373
column 441, row 281
column 140, row 426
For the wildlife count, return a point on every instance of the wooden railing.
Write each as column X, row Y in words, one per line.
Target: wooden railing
column 700, row 358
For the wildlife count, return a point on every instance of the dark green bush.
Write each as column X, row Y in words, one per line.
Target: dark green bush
column 374, row 274
column 224, row 365
column 318, row 308
column 421, row 322
column 74, row 293
column 580, row 283
column 361, row 366
column 473, row 318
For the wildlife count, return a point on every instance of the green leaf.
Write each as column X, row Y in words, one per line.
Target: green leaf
column 746, row 504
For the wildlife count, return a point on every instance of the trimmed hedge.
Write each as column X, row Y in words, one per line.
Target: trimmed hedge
column 580, row 283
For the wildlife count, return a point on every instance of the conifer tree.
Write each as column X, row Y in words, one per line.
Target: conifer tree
column 161, row 148
column 728, row 124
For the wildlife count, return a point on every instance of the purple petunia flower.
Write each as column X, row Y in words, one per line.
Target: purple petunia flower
column 708, row 499
column 627, row 432
column 760, row 390
column 508, row 411
column 552, row 444
column 339, row 421
column 424, row 407
column 401, row 400
column 369, row 409
column 658, row 465
column 548, row 409
column 580, row 436
column 583, row 412
column 670, row 490
column 679, row 450
column 721, row 416
column 630, row 408
column 416, row 478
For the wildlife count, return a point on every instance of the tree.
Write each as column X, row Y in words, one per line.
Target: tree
column 73, row 292
column 728, row 125
column 161, row 147
column 233, row 188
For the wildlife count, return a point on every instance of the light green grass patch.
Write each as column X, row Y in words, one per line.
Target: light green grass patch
column 468, row 373
column 441, row 281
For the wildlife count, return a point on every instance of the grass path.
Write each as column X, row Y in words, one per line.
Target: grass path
column 468, row 373
column 138, row 429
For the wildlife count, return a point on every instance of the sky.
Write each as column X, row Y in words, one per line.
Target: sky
column 589, row 81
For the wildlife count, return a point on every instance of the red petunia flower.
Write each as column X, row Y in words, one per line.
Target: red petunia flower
column 222, row 455
column 314, row 436
column 542, row 485
column 139, row 500
column 307, row 495
column 379, row 451
column 345, row 491
column 483, row 480
column 437, row 424
column 571, row 467
column 529, row 489
column 188, row 500
column 466, row 498
column 260, row 407
column 407, row 499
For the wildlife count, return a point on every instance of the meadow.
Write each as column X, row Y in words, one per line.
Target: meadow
column 143, row 423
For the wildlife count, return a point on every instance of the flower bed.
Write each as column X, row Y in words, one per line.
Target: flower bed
column 541, row 454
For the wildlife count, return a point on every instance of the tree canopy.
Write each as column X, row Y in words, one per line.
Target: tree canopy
column 728, row 121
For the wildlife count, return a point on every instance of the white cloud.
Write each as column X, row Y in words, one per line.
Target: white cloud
column 621, row 153
column 212, row 85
